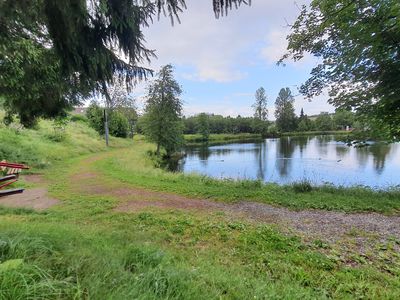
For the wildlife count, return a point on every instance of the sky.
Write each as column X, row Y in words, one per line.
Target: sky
column 220, row 63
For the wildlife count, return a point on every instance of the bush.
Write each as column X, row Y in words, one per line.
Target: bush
column 117, row 123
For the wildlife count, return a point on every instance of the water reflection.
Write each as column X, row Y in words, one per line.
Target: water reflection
column 260, row 158
column 379, row 152
column 320, row 158
column 284, row 153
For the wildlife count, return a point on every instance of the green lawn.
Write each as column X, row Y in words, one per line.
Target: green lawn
column 83, row 249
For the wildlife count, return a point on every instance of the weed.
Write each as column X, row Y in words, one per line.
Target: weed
column 303, row 186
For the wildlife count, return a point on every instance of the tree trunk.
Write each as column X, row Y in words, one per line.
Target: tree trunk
column 158, row 149
column 108, row 101
column 106, row 131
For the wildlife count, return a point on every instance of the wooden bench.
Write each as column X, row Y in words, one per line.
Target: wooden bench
column 12, row 171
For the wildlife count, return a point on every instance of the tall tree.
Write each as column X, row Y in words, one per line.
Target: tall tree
column 324, row 122
column 284, row 111
column 302, row 115
column 260, row 105
column 91, row 41
column 203, row 126
column 358, row 46
column 162, row 122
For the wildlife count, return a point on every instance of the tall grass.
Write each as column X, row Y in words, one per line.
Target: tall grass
column 40, row 147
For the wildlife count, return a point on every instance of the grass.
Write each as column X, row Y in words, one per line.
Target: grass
column 195, row 139
column 83, row 249
column 132, row 167
column 37, row 147
column 317, row 132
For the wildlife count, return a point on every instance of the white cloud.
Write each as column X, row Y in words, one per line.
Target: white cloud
column 276, row 46
column 218, row 50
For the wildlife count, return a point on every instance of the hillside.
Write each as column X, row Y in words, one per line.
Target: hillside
column 46, row 144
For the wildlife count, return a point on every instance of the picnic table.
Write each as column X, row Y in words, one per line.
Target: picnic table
column 11, row 172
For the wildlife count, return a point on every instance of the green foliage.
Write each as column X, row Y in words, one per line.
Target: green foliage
column 357, row 42
column 203, row 126
column 79, row 118
column 324, row 122
column 162, row 122
column 53, row 54
column 284, row 111
column 343, row 118
column 117, row 122
column 32, row 84
column 228, row 125
column 305, row 124
column 59, row 126
column 95, row 116
column 303, row 186
column 260, row 105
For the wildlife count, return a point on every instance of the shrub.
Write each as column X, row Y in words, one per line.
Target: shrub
column 117, row 123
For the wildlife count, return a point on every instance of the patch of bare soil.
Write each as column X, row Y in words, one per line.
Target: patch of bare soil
column 36, row 198
column 139, row 199
column 34, row 178
column 325, row 225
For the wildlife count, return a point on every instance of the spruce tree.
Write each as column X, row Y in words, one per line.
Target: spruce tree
column 284, row 111
column 89, row 42
column 162, row 122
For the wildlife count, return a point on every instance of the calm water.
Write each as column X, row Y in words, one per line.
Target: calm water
column 319, row 159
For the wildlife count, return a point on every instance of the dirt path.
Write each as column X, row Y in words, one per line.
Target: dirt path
column 328, row 226
column 35, row 198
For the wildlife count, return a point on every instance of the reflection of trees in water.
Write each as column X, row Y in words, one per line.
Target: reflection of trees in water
column 302, row 142
column 342, row 150
column 322, row 141
column 284, row 152
column 204, row 153
column 260, row 153
column 379, row 153
column 362, row 156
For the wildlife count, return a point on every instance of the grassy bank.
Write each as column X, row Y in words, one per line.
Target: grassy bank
column 194, row 139
column 84, row 249
column 46, row 145
column 319, row 132
column 133, row 167
column 197, row 139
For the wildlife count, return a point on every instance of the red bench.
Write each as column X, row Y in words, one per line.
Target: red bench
column 12, row 171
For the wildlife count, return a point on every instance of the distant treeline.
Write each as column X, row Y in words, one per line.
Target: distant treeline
column 220, row 124
column 232, row 125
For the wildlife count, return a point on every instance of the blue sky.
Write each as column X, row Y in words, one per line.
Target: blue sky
column 220, row 63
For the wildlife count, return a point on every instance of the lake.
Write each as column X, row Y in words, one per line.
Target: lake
column 319, row 159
